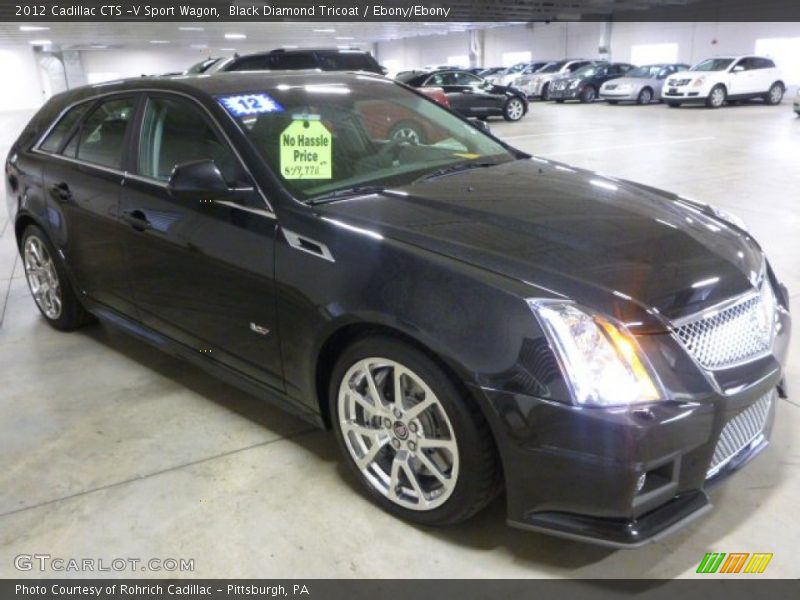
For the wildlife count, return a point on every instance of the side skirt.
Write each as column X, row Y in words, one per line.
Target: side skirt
column 223, row 372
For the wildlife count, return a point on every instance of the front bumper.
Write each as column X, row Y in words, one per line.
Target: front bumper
column 685, row 93
column 564, row 93
column 574, row 472
column 619, row 96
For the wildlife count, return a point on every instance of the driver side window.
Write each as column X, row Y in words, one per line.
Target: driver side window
column 174, row 132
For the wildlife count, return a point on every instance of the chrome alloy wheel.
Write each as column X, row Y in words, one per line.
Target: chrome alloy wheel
column 398, row 433
column 717, row 97
column 776, row 94
column 405, row 133
column 515, row 110
column 42, row 277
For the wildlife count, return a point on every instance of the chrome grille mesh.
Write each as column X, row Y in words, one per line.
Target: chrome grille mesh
column 728, row 336
column 740, row 432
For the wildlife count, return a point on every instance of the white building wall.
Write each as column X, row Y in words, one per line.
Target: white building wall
column 109, row 64
column 19, row 68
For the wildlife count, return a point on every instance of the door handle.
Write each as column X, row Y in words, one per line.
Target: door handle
column 136, row 219
column 61, row 191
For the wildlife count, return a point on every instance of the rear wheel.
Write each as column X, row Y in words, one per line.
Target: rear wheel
column 513, row 110
column 546, row 91
column 412, row 435
column 645, row 96
column 588, row 94
column 775, row 94
column 48, row 283
column 717, row 96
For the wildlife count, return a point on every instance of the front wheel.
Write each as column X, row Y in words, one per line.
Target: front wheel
column 513, row 110
column 588, row 94
column 645, row 96
column 48, row 283
column 411, row 434
column 717, row 97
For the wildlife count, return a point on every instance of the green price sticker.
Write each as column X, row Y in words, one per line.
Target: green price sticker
column 306, row 150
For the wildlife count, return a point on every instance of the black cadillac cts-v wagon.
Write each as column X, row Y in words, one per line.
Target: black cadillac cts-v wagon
column 467, row 319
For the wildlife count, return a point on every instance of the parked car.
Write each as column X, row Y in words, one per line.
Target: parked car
column 467, row 318
column 717, row 80
column 486, row 73
column 583, row 84
column 537, row 85
column 325, row 59
column 470, row 95
column 641, row 85
column 500, row 76
column 508, row 78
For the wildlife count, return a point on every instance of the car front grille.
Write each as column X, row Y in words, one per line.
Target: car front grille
column 724, row 338
column 740, row 432
column 678, row 82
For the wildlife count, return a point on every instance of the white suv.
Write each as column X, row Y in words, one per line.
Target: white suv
column 717, row 80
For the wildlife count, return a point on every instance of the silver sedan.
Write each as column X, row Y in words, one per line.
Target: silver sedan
column 641, row 85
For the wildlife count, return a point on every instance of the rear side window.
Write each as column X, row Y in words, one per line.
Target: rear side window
column 345, row 61
column 100, row 139
column 57, row 135
column 292, row 61
column 251, row 63
column 174, row 131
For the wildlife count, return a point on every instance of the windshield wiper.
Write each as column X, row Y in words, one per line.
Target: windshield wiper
column 465, row 166
column 357, row 190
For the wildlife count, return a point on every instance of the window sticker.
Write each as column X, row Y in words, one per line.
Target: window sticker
column 306, row 146
column 250, row 104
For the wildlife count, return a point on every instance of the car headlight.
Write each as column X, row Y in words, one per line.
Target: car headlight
column 624, row 87
column 574, row 84
column 699, row 82
column 729, row 217
column 601, row 361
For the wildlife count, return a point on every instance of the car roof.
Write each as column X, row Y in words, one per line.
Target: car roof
column 219, row 83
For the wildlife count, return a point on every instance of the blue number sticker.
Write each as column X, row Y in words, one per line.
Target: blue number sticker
column 249, row 104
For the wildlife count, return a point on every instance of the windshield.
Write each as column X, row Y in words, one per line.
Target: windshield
column 713, row 64
column 647, row 72
column 553, row 67
column 516, row 68
column 201, row 67
column 333, row 137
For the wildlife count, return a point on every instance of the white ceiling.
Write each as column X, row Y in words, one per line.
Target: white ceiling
column 260, row 36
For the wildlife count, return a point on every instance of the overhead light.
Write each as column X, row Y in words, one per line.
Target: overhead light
column 228, row 49
column 235, row 36
column 289, row 46
column 344, row 37
column 343, row 47
column 192, row 28
column 33, row 28
column 331, row 30
column 98, row 46
column 159, row 41
column 40, row 42
column 199, row 46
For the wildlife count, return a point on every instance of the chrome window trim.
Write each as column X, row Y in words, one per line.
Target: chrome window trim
column 36, row 147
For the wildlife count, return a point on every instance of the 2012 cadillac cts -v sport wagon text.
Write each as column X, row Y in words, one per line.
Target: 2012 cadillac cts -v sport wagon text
column 466, row 318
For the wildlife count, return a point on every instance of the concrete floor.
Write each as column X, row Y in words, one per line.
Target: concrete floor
column 110, row 449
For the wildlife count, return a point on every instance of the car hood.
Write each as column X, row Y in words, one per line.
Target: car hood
column 636, row 253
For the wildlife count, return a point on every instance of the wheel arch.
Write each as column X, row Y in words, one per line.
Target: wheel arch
column 346, row 334
column 21, row 223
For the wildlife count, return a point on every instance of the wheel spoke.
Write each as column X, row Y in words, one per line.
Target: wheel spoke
column 394, row 479
column 364, row 403
column 361, row 430
column 399, row 394
column 373, row 388
column 435, row 471
column 369, row 456
column 411, row 475
column 434, row 443
column 419, row 408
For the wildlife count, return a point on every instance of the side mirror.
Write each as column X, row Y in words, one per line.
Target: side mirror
column 481, row 125
column 196, row 180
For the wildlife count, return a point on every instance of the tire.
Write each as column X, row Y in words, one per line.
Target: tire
column 645, row 96
column 588, row 94
column 452, row 414
column 514, row 109
column 48, row 282
column 717, row 96
column 546, row 91
column 407, row 132
column 775, row 94
column 673, row 104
